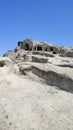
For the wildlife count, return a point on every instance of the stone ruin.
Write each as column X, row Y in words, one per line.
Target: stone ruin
column 30, row 45
column 51, row 63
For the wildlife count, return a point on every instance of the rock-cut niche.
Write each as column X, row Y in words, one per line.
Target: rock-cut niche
column 2, row 63
column 26, row 47
column 39, row 48
column 51, row 48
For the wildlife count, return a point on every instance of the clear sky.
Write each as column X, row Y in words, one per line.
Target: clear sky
column 41, row 20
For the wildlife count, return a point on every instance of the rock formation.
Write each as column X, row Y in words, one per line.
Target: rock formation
column 47, row 61
column 36, row 87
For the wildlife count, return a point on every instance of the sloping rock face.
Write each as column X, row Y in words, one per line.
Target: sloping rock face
column 49, row 62
column 36, row 87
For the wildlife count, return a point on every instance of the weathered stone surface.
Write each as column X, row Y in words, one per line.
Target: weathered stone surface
column 11, row 55
column 43, row 53
column 36, row 87
column 5, row 61
column 27, row 104
column 54, row 77
column 41, row 48
column 39, row 59
column 69, row 54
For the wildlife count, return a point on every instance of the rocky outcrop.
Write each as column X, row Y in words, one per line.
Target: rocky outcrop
column 66, row 52
column 39, row 48
column 39, row 59
column 30, row 45
column 35, row 53
column 54, row 77
column 36, row 87
column 5, row 62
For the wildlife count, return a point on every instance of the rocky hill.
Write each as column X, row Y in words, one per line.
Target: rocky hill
column 36, row 87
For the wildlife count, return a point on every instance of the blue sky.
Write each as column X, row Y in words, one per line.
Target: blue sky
column 41, row 20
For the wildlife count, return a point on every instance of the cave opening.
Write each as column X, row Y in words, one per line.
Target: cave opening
column 26, row 47
column 51, row 48
column 39, row 48
column 54, row 52
column 46, row 49
column 2, row 63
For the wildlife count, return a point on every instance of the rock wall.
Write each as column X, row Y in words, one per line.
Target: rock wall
column 36, row 87
column 30, row 45
column 58, row 60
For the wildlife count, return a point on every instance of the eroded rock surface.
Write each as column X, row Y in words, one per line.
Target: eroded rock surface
column 36, row 87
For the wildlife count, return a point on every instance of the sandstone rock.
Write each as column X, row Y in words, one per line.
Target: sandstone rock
column 11, row 55
column 5, row 61
column 69, row 54
column 54, row 78
column 66, row 51
column 39, row 59
column 30, row 45
column 43, row 53
column 36, row 87
column 24, row 68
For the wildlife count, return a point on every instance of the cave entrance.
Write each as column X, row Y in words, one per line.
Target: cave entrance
column 39, row 48
column 26, row 47
column 51, row 48
column 2, row 63
column 46, row 49
column 54, row 52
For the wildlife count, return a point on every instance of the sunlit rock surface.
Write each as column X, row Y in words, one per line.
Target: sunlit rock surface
column 36, row 87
